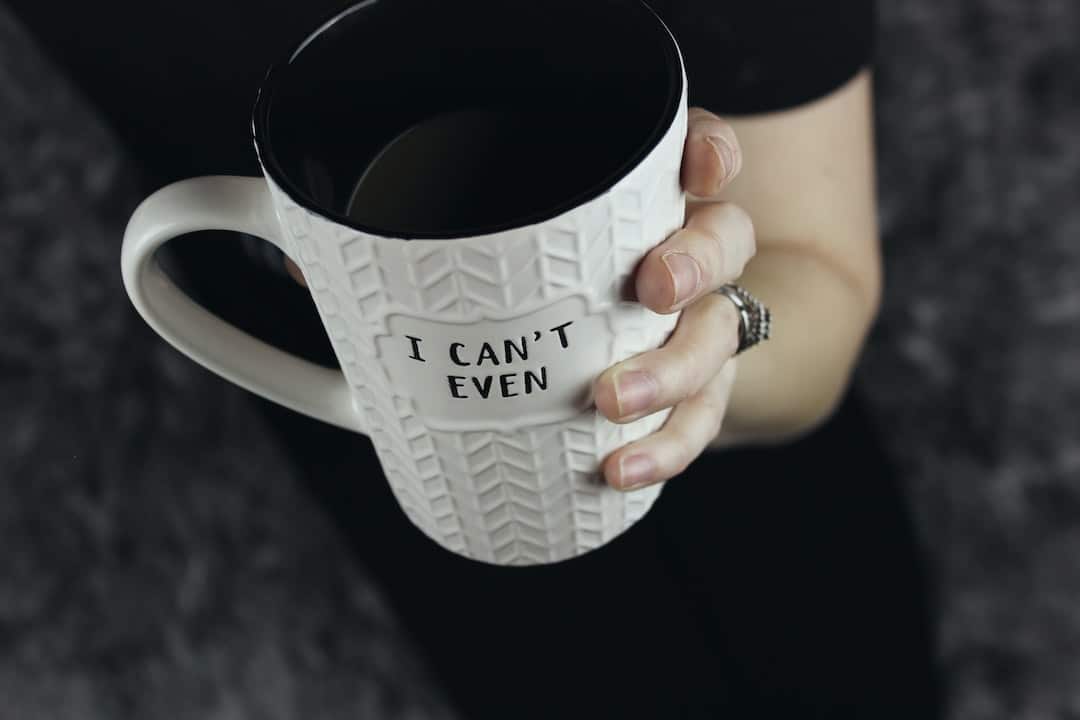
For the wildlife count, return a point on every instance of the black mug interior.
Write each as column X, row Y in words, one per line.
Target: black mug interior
column 420, row 119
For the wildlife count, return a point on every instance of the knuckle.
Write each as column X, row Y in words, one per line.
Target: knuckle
column 740, row 218
column 715, row 262
column 742, row 245
column 705, row 243
column 703, row 122
column 686, row 370
column 717, row 126
column 724, row 241
column 697, row 112
column 707, row 338
column 669, row 373
column 682, row 453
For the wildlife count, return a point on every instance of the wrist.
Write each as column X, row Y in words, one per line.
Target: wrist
column 788, row 386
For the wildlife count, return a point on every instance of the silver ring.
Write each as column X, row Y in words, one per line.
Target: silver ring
column 755, row 320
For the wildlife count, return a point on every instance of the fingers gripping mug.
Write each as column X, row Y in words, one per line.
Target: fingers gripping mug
column 467, row 198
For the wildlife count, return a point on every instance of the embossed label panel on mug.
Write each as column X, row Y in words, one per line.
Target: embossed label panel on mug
column 498, row 374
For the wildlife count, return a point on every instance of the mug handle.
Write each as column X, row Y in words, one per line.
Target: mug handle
column 242, row 204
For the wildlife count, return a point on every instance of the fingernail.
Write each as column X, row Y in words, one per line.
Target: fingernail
column 634, row 391
column 685, row 275
column 636, row 470
column 723, row 149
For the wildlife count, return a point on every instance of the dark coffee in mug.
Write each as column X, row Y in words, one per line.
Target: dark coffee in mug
column 465, row 168
column 454, row 134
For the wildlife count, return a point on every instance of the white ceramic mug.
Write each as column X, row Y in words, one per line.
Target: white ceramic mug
column 467, row 356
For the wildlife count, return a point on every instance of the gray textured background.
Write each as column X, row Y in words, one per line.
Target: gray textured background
column 975, row 365
column 152, row 567
column 152, row 563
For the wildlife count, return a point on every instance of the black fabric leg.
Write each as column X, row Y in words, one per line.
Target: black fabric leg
column 773, row 582
column 802, row 565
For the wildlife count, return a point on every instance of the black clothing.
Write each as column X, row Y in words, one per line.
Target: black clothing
column 781, row 582
column 177, row 80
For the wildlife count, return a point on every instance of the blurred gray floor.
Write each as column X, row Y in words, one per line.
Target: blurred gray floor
column 153, row 566
column 975, row 365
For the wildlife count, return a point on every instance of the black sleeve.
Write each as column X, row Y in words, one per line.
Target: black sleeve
column 764, row 55
column 177, row 88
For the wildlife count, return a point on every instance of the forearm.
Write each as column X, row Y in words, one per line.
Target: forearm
column 808, row 183
column 790, row 384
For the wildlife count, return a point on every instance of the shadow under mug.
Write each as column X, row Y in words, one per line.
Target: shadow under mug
column 467, row 198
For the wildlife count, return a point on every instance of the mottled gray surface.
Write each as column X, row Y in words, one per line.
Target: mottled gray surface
column 975, row 364
column 149, row 570
column 151, row 565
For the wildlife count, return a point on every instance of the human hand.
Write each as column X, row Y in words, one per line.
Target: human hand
column 694, row 371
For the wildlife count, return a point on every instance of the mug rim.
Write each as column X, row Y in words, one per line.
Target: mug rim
column 267, row 158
